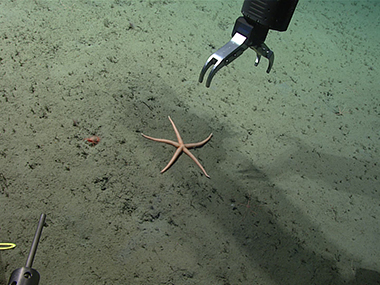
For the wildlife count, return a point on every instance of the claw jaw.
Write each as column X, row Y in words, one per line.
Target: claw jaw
column 223, row 56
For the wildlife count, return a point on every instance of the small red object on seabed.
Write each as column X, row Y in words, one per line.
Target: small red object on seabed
column 94, row 140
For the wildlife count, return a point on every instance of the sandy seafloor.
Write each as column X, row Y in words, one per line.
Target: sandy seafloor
column 294, row 191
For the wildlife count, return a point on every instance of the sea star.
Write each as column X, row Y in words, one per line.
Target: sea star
column 181, row 147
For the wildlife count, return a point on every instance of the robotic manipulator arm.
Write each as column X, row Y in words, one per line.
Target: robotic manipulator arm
column 250, row 31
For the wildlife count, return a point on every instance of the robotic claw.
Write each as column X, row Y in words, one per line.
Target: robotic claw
column 251, row 30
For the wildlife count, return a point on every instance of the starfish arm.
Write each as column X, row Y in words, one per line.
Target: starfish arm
column 192, row 145
column 174, row 158
column 180, row 141
column 196, row 161
column 161, row 140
